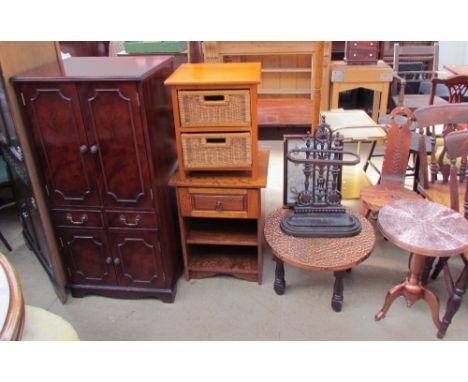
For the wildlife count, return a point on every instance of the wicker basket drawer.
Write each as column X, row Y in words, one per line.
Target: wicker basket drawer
column 214, row 108
column 217, row 150
column 221, row 203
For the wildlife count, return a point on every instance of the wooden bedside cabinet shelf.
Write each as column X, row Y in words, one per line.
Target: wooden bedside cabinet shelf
column 235, row 232
column 221, row 222
column 240, row 262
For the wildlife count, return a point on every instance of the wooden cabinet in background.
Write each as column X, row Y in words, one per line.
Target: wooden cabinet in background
column 287, row 66
column 103, row 134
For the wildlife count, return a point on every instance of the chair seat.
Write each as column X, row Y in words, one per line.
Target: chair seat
column 375, row 197
column 415, row 101
column 42, row 325
column 439, row 192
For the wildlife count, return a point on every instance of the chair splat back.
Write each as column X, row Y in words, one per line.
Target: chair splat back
column 452, row 117
column 457, row 88
column 457, row 147
column 397, row 147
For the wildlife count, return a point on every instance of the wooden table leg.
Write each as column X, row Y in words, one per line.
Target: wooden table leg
column 412, row 290
column 337, row 299
column 280, row 284
column 454, row 302
column 376, row 105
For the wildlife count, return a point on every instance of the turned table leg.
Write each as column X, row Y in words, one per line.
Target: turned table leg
column 454, row 302
column 280, row 284
column 412, row 289
column 337, row 299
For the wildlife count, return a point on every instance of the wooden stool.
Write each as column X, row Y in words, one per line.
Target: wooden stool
column 424, row 229
column 317, row 254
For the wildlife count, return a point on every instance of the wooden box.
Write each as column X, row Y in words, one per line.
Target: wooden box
column 361, row 52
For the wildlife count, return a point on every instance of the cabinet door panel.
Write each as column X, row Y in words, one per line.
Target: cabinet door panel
column 87, row 256
column 137, row 258
column 61, row 143
column 113, row 122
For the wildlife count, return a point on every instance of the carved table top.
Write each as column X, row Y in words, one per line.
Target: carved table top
column 319, row 254
column 424, row 227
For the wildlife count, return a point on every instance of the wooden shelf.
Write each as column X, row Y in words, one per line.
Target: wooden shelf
column 223, row 232
column 283, row 91
column 286, row 70
column 214, row 129
column 224, row 260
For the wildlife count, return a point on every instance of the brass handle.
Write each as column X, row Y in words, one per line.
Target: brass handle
column 83, row 220
column 116, row 261
column 94, row 149
column 123, row 219
column 219, row 206
column 108, row 260
column 83, row 149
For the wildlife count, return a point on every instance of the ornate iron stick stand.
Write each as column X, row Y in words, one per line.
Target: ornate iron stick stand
column 318, row 211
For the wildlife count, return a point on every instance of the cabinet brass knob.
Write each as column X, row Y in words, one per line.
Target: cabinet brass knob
column 219, row 206
column 116, row 261
column 83, row 149
column 94, row 149
column 108, row 260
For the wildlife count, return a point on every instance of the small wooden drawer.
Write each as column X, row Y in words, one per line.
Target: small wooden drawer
column 362, row 44
column 217, row 151
column 202, row 108
column 361, row 52
column 83, row 218
column 127, row 219
column 222, row 203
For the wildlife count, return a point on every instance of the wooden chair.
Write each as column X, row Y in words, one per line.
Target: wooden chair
column 436, row 186
column 392, row 180
column 456, row 144
column 457, row 88
column 428, row 119
column 406, row 78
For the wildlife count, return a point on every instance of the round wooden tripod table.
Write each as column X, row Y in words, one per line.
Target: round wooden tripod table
column 317, row 254
column 424, row 229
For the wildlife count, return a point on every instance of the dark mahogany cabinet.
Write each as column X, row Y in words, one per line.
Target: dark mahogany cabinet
column 103, row 135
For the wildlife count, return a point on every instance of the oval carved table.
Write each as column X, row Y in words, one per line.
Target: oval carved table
column 317, row 254
column 424, row 229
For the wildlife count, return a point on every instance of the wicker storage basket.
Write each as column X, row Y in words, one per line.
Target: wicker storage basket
column 199, row 108
column 223, row 150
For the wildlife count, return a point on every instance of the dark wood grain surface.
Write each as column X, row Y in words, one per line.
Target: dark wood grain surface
column 86, row 68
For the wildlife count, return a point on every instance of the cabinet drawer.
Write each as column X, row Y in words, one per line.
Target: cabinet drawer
column 199, row 108
column 131, row 219
column 83, row 218
column 362, row 44
column 222, row 203
column 217, row 151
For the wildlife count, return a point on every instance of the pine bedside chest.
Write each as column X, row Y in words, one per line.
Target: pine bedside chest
column 221, row 171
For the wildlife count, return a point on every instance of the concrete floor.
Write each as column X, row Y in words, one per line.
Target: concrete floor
column 225, row 308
